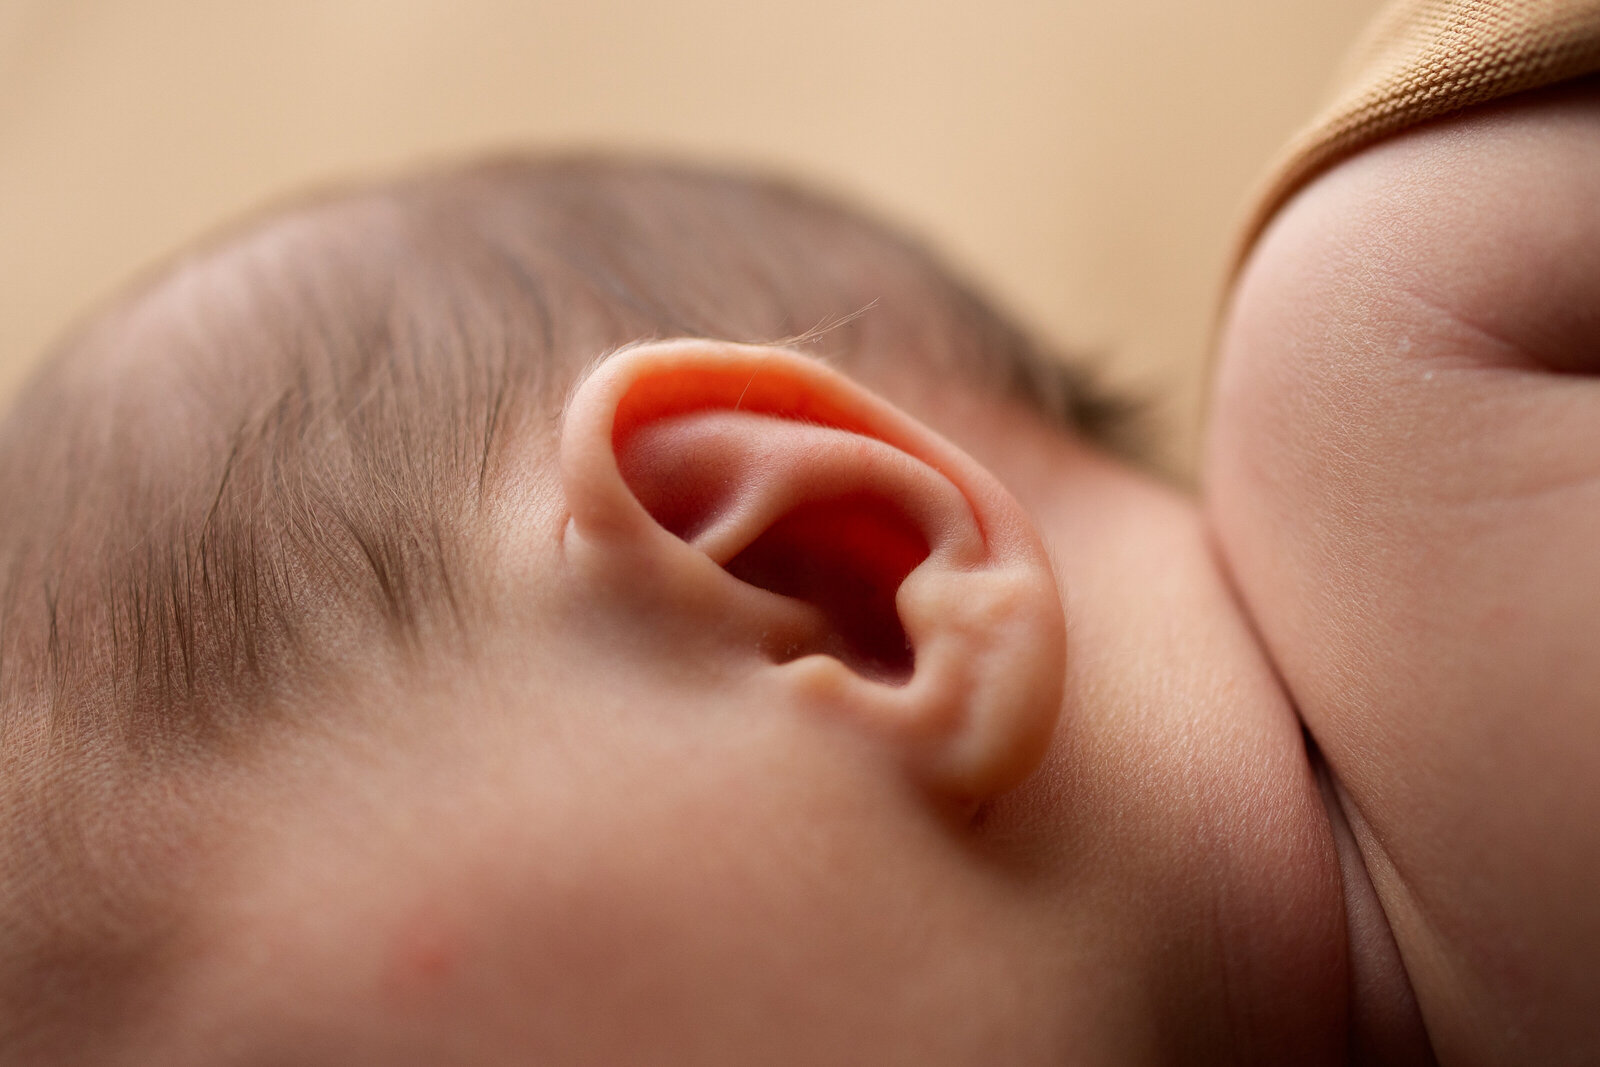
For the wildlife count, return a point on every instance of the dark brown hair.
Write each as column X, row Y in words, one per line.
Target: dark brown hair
column 280, row 446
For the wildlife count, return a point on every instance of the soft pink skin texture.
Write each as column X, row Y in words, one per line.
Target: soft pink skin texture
column 1404, row 474
column 637, row 829
column 629, row 832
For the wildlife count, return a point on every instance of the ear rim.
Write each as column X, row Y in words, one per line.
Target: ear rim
column 968, row 726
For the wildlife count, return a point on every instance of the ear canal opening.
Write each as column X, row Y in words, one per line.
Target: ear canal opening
column 847, row 557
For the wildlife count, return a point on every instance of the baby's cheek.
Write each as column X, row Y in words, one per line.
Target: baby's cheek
column 1408, row 498
column 423, row 957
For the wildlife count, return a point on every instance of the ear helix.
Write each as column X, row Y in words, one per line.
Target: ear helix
column 915, row 599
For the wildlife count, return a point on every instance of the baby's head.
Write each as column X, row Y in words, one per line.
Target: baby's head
column 537, row 613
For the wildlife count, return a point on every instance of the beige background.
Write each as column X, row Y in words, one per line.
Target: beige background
column 1085, row 161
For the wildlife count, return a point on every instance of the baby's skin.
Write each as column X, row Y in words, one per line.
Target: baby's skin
column 1404, row 480
column 667, row 816
column 836, row 719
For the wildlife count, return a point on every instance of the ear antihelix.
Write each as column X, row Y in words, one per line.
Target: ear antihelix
column 913, row 596
column 978, row 710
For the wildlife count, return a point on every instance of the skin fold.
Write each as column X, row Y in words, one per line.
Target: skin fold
column 1404, row 477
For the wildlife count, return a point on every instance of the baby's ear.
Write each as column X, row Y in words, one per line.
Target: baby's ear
column 839, row 549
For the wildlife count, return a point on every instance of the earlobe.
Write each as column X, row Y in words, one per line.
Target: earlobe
column 874, row 570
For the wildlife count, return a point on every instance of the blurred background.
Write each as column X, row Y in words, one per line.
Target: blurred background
column 1086, row 163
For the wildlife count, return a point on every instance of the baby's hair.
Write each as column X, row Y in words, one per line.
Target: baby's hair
column 281, row 447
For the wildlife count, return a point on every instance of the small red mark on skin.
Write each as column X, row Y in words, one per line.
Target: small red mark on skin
column 1503, row 618
column 424, row 953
